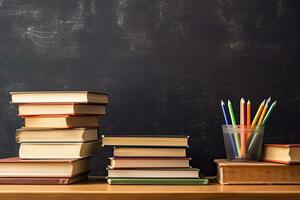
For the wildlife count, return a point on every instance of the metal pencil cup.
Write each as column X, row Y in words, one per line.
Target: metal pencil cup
column 243, row 143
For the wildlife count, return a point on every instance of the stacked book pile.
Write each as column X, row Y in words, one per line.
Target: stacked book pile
column 280, row 165
column 150, row 160
column 59, row 137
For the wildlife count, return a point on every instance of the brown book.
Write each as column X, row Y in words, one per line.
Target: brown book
column 15, row 167
column 145, row 140
column 154, row 173
column 149, row 152
column 59, row 97
column 282, row 153
column 61, row 109
column 61, row 121
column 58, row 150
column 43, row 180
column 256, row 173
column 119, row 162
column 56, row 135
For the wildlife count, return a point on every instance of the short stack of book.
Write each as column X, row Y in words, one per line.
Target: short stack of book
column 58, row 139
column 280, row 165
column 150, row 160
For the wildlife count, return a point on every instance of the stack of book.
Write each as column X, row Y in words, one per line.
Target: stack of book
column 58, row 139
column 150, row 160
column 280, row 165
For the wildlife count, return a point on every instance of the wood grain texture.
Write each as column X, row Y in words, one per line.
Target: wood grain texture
column 98, row 189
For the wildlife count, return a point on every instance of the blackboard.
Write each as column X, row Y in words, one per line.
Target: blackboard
column 165, row 64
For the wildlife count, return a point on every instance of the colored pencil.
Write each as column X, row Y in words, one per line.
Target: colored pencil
column 248, row 113
column 231, row 137
column 270, row 111
column 242, row 111
column 262, row 116
column 233, row 122
column 224, row 112
column 248, row 133
column 242, row 127
column 230, row 108
column 259, row 110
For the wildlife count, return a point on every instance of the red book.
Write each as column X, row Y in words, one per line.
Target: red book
column 42, row 181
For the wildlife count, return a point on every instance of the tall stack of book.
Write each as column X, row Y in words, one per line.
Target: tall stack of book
column 150, row 160
column 280, row 165
column 58, row 139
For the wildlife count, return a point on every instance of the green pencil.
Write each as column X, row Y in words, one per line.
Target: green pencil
column 233, row 121
column 232, row 117
column 270, row 111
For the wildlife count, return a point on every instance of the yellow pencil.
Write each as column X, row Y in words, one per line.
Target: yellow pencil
column 258, row 113
column 262, row 116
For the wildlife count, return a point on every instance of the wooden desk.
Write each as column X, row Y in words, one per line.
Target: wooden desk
column 98, row 189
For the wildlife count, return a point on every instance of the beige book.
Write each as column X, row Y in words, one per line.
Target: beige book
column 282, row 153
column 56, row 135
column 59, row 97
column 149, row 152
column 119, row 162
column 15, row 167
column 145, row 140
column 61, row 121
column 61, row 109
column 58, row 150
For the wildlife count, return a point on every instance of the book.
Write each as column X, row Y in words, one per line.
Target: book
column 158, row 181
column 282, row 153
column 61, row 109
column 15, row 167
column 58, row 150
column 43, row 180
column 61, row 121
column 146, row 140
column 154, row 173
column 122, row 162
column 256, row 173
column 56, row 135
column 149, row 152
column 59, row 97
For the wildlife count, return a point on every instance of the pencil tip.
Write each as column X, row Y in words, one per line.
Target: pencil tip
column 222, row 102
column 228, row 101
column 248, row 102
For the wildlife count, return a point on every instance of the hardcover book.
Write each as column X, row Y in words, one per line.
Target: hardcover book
column 145, row 140
column 157, row 181
column 256, row 173
column 282, row 153
column 119, row 162
column 15, row 167
column 40, row 135
column 59, row 97
column 58, row 150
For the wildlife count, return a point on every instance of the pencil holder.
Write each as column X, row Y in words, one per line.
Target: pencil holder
column 243, row 143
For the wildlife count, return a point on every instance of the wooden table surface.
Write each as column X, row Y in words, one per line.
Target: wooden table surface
column 98, row 189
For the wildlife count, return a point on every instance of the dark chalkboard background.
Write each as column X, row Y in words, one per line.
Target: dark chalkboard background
column 166, row 64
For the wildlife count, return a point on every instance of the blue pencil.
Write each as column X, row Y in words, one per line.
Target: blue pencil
column 226, row 122
column 224, row 112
